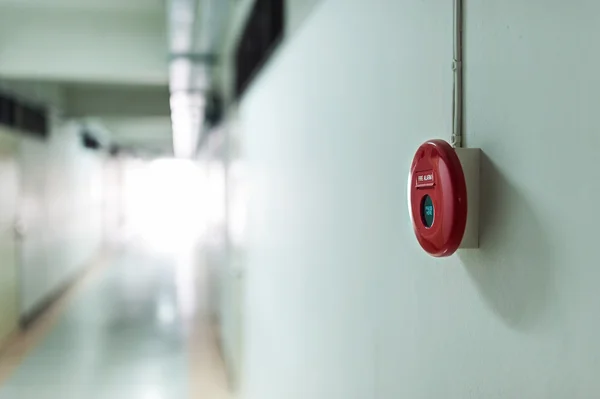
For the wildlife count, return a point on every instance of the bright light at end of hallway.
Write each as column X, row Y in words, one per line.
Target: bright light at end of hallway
column 166, row 204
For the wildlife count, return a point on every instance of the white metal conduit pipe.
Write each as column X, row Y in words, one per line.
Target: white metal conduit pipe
column 195, row 28
column 181, row 15
column 457, row 67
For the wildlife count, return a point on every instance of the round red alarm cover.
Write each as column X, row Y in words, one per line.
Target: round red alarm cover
column 438, row 198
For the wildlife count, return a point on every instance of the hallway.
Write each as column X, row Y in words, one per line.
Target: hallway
column 321, row 199
column 136, row 327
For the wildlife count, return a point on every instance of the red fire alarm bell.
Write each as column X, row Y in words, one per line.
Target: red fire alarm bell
column 438, row 202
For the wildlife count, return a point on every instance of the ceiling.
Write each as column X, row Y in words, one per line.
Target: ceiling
column 83, row 45
column 137, row 116
column 149, row 134
column 112, row 61
column 152, row 6
column 107, row 60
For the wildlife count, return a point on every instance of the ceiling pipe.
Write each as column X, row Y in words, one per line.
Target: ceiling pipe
column 195, row 33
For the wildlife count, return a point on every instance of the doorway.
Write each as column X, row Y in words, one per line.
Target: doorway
column 9, row 195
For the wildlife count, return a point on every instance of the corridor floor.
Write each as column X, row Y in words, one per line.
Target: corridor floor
column 137, row 328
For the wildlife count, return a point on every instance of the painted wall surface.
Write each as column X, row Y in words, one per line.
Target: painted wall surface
column 231, row 265
column 59, row 203
column 222, row 253
column 119, row 102
column 340, row 300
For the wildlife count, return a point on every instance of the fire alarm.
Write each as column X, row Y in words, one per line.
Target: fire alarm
column 443, row 197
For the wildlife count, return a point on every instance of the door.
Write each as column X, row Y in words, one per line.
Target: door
column 9, row 194
column 35, row 281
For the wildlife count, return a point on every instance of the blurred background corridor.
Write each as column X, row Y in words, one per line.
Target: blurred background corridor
column 113, row 228
column 212, row 199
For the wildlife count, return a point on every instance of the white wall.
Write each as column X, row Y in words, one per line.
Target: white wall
column 60, row 201
column 341, row 301
column 231, row 264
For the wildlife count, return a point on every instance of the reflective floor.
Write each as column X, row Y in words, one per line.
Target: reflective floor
column 137, row 328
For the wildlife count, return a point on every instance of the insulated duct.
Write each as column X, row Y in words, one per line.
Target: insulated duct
column 196, row 29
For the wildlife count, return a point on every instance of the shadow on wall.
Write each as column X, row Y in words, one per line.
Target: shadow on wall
column 513, row 267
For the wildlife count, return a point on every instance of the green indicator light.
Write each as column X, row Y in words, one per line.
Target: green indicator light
column 427, row 211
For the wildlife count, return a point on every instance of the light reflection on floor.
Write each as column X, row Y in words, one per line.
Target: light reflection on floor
column 141, row 329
